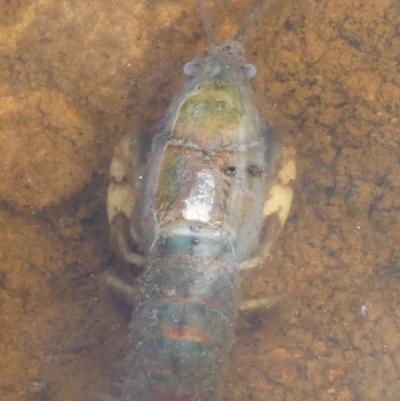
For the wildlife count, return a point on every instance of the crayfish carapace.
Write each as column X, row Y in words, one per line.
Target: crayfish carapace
column 199, row 205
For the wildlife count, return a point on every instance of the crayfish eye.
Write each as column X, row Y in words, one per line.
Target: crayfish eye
column 189, row 68
column 251, row 71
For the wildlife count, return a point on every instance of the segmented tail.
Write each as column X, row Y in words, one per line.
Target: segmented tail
column 183, row 328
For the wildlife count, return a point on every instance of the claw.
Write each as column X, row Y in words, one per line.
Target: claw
column 120, row 234
column 124, row 291
column 121, row 194
column 262, row 303
column 125, row 185
column 276, row 208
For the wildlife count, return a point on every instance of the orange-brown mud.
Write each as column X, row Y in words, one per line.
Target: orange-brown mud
column 75, row 74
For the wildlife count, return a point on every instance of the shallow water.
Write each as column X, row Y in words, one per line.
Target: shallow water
column 76, row 75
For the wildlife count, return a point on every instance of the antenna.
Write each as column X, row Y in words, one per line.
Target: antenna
column 254, row 14
column 206, row 20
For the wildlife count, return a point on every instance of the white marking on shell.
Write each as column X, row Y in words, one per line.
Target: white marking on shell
column 121, row 159
column 288, row 172
column 120, row 198
column 279, row 201
column 200, row 201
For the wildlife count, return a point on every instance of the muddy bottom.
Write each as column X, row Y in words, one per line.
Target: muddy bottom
column 76, row 76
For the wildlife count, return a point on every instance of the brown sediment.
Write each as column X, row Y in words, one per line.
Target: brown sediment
column 74, row 73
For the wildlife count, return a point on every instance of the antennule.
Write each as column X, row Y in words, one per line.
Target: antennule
column 254, row 14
